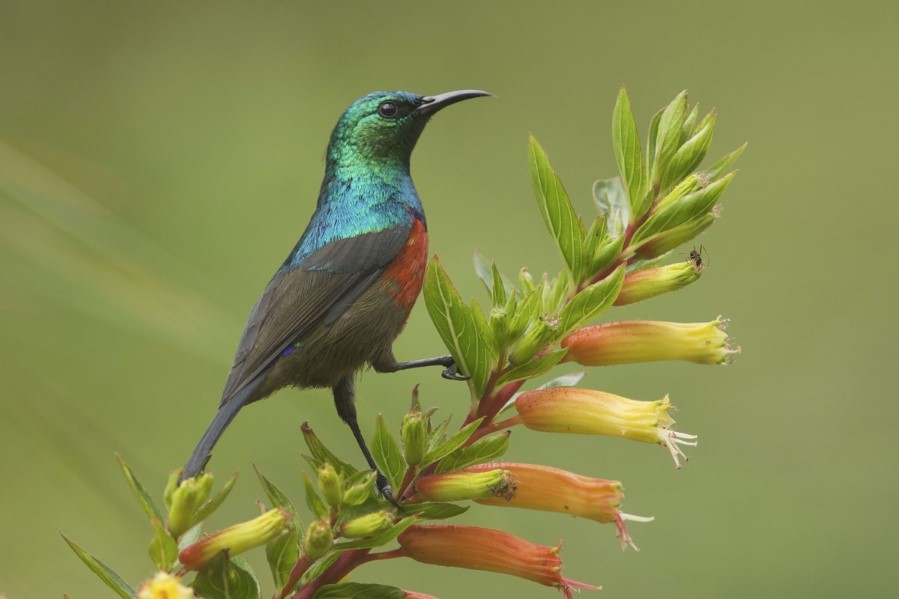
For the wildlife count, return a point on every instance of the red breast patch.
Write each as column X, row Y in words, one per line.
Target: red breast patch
column 406, row 272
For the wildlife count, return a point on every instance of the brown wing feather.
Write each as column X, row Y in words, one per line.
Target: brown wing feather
column 298, row 299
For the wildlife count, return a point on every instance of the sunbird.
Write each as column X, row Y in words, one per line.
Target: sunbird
column 344, row 293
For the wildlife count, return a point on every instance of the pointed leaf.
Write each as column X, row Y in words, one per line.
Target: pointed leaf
column 282, row 554
column 629, row 156
column 534, row 368
column 313, row 500
column 723, row 165
column 104, row 572
column 668, row 137
column 221, row 578
column 689, row 155
column 591, row 301
column 611, row 201
column 382, row 539
column 163, row 548
column 483, row 450
column 358, row 590
column 276, row 496
column 434, row 511
column 322, row 453
column 139, row 492
column 454, row 442
column 558, row 213
column 462, row 334
column 213, row 504
column 387, row 454
column 319, row 567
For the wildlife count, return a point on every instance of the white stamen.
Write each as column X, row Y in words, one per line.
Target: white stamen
column 673, row 440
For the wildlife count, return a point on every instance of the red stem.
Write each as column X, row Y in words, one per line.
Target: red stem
column 347, row 561
column 298, row 570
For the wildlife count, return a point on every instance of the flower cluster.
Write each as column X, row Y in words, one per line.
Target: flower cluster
column 659, row 201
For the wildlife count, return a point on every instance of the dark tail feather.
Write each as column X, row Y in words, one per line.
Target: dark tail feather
column 203, row 451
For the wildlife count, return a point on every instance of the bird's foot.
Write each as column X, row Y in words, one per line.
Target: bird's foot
column 386, row 490
column 451, row 372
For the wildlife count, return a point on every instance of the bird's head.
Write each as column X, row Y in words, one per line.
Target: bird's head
column 382, row 127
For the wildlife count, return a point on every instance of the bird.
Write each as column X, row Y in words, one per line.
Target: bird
column 345, row 291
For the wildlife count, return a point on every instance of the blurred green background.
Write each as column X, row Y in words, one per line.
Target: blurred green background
column 158, row 161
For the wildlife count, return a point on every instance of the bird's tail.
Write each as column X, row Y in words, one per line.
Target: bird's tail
column 226, row 413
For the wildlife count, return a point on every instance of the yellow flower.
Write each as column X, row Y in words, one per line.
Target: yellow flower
column 164, row 586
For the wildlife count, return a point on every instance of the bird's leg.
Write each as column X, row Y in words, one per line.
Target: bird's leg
column 345, row 402
column 450, row 370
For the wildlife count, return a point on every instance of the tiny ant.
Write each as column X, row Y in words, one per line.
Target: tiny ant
column 697, row 259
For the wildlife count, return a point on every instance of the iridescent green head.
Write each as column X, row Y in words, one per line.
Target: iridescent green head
column 382, row 127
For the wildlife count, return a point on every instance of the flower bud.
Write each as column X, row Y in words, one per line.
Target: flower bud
column 359, row 493
column 415, row 437
column 554, row 490
column 318, row 540
column 589, row 412
column 164, row 586
column 466, row 484
column 237, row 539
column 186, row 499
column 538, row 336
column 486, row 549
column 632, row 341
column 330, row 485
column 645, row 283
column 417, row 595
column 367, row 525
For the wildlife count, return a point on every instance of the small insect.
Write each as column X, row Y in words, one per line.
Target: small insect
column 697, row 258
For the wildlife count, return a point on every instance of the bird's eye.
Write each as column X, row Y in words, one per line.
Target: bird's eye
column 388, row 110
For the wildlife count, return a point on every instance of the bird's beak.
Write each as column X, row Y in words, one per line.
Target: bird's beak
column 431, row 104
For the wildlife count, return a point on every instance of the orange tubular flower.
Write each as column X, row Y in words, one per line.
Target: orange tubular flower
column 554, row 490
column 478, row 548
column 589, row 412
column 632, row 341
column 237, row 539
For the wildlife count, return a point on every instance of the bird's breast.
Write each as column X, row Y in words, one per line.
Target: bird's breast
column 404, row 275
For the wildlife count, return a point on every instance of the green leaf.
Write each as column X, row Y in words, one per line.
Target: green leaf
column 139, row 492
column 434, row 511
column 482, row 270
column 322, row 453
column 529, row 309
column 276, row 496
column 319, row 567
column 668, row 137
column 221, row 578
column 454, row 442
column 591, row 301
column 501, row 290
column 313, row 500
column 163, row 548
column 382, row 539
column 668, row 240
column 437, row 436
column 682, row 210
column 612, row 203
column 566, row 380
column 689, row 127
column 483, row 450
column 606, row 254
column 689, row 155
column 104, row 572
column 461, row 332
column 651, row 139
column 629, row 156
column 558, row 213
column 723, row 165
column 358, row 590
column 387, row 454
column 534, row 368
column 213, row 504
column 282, row 554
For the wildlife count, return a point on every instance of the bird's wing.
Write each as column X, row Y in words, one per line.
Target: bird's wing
column 317, row 292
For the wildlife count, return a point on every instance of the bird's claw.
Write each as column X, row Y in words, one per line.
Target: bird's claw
column 385, row 490
column 451, row 373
